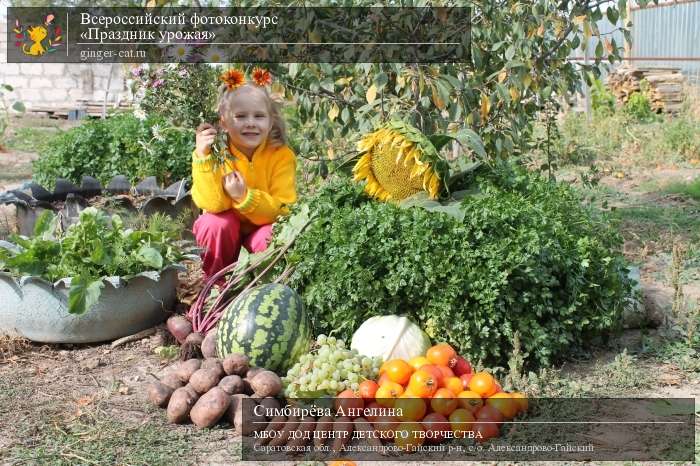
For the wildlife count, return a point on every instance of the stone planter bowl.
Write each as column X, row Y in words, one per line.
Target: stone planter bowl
column 34, row 308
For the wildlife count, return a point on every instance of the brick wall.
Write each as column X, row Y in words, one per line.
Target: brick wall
column 59, row 85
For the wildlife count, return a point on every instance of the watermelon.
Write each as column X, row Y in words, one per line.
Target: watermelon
column 268, row 324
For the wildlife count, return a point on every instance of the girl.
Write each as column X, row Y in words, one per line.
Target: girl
column 243, row 197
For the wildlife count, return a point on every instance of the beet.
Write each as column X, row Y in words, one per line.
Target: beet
column 179, row 327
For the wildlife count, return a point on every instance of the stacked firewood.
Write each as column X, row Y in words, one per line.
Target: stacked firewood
column 664, row 86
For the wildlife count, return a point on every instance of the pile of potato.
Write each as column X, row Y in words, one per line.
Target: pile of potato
column 206, row 391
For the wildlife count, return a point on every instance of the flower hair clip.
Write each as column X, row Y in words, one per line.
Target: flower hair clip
column 234, row 78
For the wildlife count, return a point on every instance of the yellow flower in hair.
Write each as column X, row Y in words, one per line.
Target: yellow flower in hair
column 233, row 78
column 261, row 76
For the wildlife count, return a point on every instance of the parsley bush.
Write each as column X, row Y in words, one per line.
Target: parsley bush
column 527, row 257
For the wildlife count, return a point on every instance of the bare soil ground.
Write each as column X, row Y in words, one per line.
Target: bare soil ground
column 86, row 404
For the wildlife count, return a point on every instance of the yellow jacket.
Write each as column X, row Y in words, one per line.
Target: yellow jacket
column 270, row 177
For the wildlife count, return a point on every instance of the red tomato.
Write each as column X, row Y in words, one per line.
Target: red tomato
column 484, row 431
column 465, row 378
column 437, row 373
column 491, row 414
column 436, row 425
column 462, row 367
column 351, row 403
column 368, row 389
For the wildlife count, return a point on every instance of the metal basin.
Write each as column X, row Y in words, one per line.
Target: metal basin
column 34, row 308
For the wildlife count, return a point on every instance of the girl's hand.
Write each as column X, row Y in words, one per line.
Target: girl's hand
column 235, row 186
column 205, row 136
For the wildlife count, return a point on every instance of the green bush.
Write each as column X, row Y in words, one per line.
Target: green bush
column 682, row 135
column 603, row 101
column 526, row 257
column 639, row 107
column 121, row 144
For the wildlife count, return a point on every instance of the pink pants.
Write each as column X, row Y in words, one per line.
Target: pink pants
column 221, row 237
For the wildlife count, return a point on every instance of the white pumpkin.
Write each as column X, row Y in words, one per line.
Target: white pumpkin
column 391, row 337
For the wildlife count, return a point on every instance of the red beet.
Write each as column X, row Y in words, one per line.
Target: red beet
column 179, row 327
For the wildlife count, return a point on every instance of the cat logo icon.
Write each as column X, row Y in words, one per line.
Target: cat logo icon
column 40, row 39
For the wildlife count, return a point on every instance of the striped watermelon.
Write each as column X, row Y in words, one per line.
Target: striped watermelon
column 268, row 324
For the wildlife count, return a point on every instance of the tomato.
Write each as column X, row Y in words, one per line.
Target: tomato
column 372, row 409
column 470, row 400
column 411, row 409
column 350, row 402
column 342, row 463
column 418, row 362
column 446, row 372
column 437, row 425
column 521, row 399
column 433, row 369
column 490, row 414
column 383, row 378
column 461, row 367
column 484, row 431
column 442, row 354
column 399, row 371
column 368, row 389
column 465, row 378
column 483, row 383
column 461, row 422
column 504, row 403
column 385, row 424
column 387, row 393
column 453, row 384
column 423, row 384
column 444, row 402
column 412, row 433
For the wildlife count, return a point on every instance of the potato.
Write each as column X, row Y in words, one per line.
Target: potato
column 180, row 404
column 160, row 394
column 236, row 364
column 242, row 416
column 209, row 345
column 195, row 339
column 232, row 384
column 270, row 403
column 247, row 389
column 172, row 381
column 252, row 372
column 210, row 407
column 187, row 368
column 204, row 380
column 213, row 363
column 266, row 383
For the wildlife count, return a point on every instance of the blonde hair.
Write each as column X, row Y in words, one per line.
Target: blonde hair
column 278, row 130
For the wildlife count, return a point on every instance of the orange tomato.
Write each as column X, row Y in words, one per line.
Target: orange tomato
column 446, row 372
column 399, row 371
column 433, row 369
column 453, row 384
column 484, row 431
column 483, row 383
column 461, row 421
column 437, row 425
column 491, row 414
column 442, row 354
column 411, row 409
column 408, row 436
column 342, row 463
column 504, row 403
column 350, row 402
column 387, row 393
column 383, row 378
column 470, row 400
column 418, row 362
column 368, row 389
column 423, row 384
column 521, row 399
column 443, row 402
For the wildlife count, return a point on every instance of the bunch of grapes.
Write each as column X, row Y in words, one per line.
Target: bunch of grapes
column 329, row 369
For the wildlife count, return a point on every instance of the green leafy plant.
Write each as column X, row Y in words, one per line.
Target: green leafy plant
column 682, row 135
column 639, row 107
column 602, row 100
column 17, row 106
column 121, row 144
column 518, row 254
column 97, row 246
column 184, row 94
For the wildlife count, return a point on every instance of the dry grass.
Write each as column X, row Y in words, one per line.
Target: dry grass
column 12, row 346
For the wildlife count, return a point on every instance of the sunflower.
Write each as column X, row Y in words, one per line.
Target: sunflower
column 261, row 77
column 397, row 161
column 232, row 78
